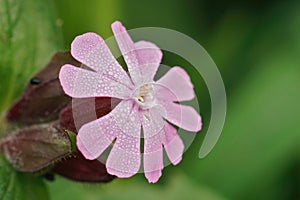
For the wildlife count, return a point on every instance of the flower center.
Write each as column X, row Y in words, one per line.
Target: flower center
column 145, row 96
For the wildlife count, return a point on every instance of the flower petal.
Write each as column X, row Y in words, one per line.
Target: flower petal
column 179, row 83
column 173, row 144
column 153, row 121
column 185, row 117
column 142, row 58
column 91, row 50
column 94, row 137
column 154, row 176
column 124, row 159
column 153, row 157
column 81, row 83
column 153, row 125
column 149, row 57
column 127, row 119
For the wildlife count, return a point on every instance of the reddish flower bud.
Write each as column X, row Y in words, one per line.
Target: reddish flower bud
column 76, row 167
column 43, row 97
column 36, row 147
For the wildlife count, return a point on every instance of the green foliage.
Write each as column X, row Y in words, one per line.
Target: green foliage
column 19, row 186
column 260, row 141
column 261, row 149
column 179, row 187
column 28, row 38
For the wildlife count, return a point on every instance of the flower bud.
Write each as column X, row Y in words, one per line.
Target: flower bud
column 43, row 97
column 36, row 147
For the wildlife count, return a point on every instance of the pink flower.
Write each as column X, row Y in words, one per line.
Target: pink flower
column 146, row 104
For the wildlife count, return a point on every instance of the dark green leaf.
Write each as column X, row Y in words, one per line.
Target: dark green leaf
column 19, row 186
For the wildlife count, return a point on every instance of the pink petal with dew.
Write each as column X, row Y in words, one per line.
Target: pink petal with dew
column 153, row 176
column 153, row 125
column 126, row 46
column 153, row 157
column 185, row 117
column 124, row 160
column 127, row 118
column 173, row 144
column 149, row 57
column 179, row 84
column 91, row 50
column 153, row 121
column 142, row 58
column 81, row 83
column 93, row 138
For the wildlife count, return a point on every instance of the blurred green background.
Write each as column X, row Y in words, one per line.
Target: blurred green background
column 256, row 46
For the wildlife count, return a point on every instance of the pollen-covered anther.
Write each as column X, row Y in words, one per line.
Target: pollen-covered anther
column 143, row 91
column 140, row 99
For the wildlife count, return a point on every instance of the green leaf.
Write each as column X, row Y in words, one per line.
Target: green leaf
column 19, row 186
column 28, row 38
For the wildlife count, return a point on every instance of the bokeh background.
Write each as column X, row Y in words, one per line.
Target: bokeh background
column 256, row 46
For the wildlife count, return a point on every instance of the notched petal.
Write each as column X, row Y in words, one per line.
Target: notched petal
column 91, row 50
column 179, row 83
column 173, row 144
column 142, row 58
column 124, row 159
column 82, row 83
column 186, row 117
column 153, row 176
